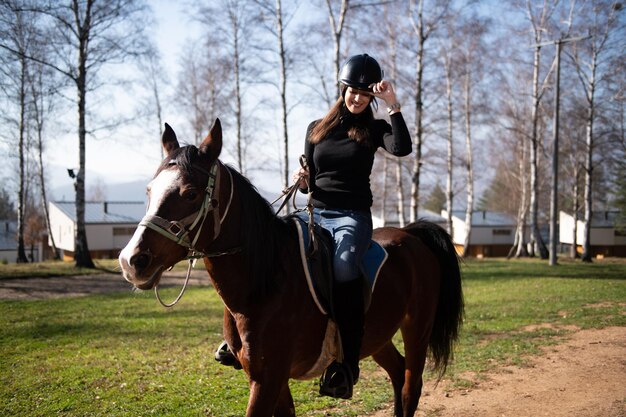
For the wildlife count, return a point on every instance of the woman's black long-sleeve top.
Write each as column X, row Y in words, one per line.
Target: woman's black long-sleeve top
column 340, row 168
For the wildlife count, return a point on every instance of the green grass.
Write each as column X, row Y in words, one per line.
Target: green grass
column 124, row 355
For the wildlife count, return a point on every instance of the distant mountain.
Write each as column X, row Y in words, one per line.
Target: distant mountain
column 125, row 191
column 136, row 191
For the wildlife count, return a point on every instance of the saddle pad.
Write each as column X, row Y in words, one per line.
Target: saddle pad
column 373, row 261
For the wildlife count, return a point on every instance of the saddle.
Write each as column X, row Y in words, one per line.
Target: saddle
column 316, row 252
column 317, row 248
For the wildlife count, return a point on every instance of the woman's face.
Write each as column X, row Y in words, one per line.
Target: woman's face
column 357, row 100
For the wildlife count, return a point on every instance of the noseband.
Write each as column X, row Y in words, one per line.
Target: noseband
column 179, row 230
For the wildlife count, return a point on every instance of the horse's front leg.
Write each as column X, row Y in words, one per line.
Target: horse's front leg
column 270, row 398
column 268, row 370
column 285, row 406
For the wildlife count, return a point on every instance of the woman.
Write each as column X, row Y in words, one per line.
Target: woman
column 340, row 150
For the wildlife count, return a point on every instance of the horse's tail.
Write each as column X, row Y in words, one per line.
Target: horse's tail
column 450, row 306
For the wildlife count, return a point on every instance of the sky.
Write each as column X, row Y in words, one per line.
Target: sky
column 124, row 155
column 127, row 155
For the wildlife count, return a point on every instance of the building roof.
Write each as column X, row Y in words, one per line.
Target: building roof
column 483, row 218
column 431, row 216
column 105, row 211
column 8, row 235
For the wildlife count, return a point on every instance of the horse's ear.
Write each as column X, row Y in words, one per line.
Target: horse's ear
column 169, row 140
column 212, row 144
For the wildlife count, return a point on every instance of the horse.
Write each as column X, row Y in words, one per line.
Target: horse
column 199, row 207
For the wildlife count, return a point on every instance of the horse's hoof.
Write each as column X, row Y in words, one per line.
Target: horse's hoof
column 337, row 381
column 225, row 356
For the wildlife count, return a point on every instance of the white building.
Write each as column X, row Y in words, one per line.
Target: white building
column 109, row 226
column 8, row 244
column 492, row 233
column 605, row 239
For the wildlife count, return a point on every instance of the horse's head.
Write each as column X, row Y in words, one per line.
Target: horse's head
column 183, row 199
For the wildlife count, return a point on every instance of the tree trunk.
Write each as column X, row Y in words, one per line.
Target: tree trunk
column 574, row 248
column 21, row 194
column 82, row 257
column 586, row 255
column 469, row 210
column 418, row 27
column 383, row 201
column 38, row 91
column 283, row 94
column 336, row 26
column 236, row 70
column 535, row 243
column 519, row 246
column 450, row 155
column 400, row 205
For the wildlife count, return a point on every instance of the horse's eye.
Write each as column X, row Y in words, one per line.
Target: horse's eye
column 190, row 195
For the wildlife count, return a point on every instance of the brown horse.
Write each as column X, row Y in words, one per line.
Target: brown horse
column 271, row 321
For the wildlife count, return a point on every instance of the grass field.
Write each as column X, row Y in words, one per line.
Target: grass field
column 124, row 355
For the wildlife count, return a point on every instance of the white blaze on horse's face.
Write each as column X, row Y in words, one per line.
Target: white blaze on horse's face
column 159, row 188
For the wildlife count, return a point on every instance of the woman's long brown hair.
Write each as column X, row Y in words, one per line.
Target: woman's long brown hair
column 358, row 131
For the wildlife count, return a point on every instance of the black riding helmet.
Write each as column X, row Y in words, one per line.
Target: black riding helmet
column 360, row 71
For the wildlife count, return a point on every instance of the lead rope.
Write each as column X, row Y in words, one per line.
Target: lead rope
column 192, row 261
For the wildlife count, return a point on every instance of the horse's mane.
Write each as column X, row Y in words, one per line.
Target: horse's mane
column 262, row 234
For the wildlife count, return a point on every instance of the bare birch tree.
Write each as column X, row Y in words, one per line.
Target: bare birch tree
column 573, row 130
column 591, row 59
column 277, row 18
column 155, row 78
column 390, row 46
column 446, row 56
column 19, row 38
column 230, row 25
column 201, row 75
column 512, row 195
column 473, row 56
column 337, row 21
column 43, row 93
column 519, row 248
column 423, row 27
column 539, row 21
column 87, row 35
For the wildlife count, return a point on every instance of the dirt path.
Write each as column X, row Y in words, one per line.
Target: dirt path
column 585, row 376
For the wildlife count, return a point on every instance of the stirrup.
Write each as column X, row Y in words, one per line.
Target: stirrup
column 225, row 356
column 337, row 381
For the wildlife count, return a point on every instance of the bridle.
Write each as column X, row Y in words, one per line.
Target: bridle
column 179, row 231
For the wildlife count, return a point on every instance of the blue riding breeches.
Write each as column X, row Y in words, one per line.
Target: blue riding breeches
column 352, row 233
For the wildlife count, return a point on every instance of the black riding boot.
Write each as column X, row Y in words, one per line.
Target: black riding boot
column 338, row 379
column 225, row 356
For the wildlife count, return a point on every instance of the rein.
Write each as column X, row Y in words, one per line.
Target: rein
column 290, row 193
column 179, row 230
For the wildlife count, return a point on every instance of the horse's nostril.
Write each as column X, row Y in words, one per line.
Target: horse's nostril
column 140, row 260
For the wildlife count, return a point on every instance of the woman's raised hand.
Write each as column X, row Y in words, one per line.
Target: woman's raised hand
column 384, row 90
